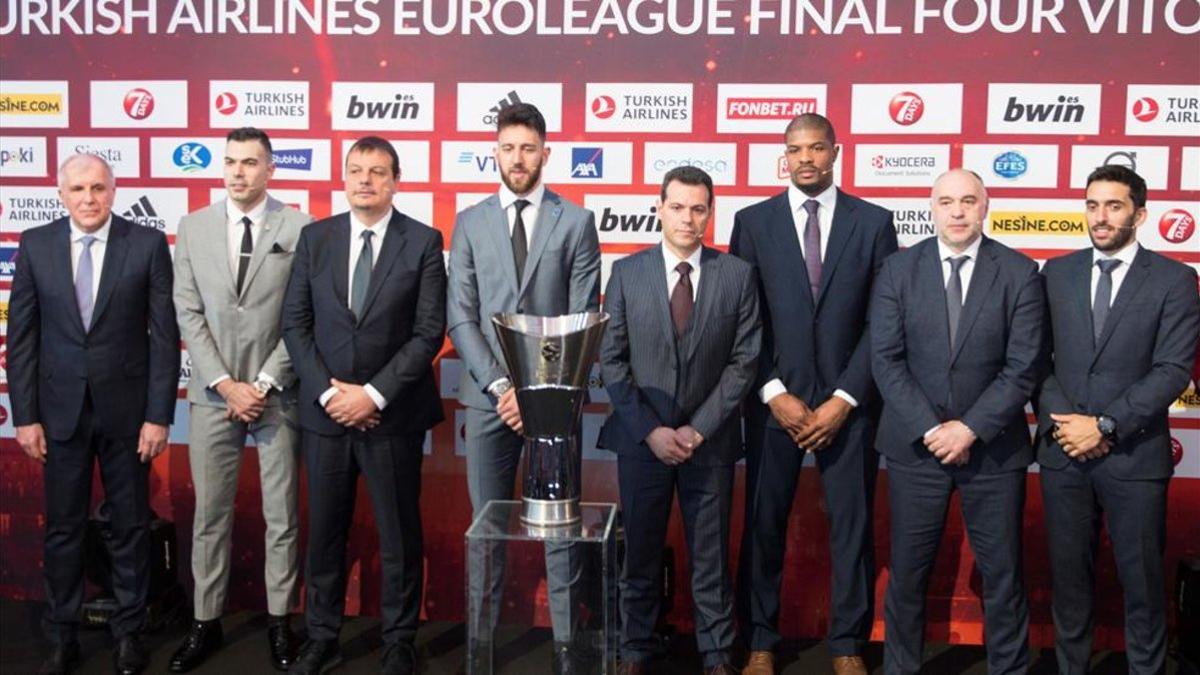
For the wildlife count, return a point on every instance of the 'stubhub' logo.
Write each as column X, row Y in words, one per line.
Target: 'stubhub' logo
column 226, row 103
column 604, row 107
column 1145, row 109
column 299, row 159
column 906, row 108
column 139, row 103
column 1176, row 226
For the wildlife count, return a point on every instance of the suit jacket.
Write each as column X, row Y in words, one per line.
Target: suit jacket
column 1138, row 368
column 128, row 359
column 815, row 346
column 984, row 379
column 562, row 276
column 391, row 346
column 655, row 380
column 227, row 333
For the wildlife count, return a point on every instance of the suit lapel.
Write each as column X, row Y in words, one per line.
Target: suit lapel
column 496, row 228
column 62, row 271
column 268, row 233
column 392, row 244
column 705, row 299
column 1080, row 289
column 844, row 225
column 654, row 269
column 787, row 244
column 339, row 249
column 1138, row 271
column 982, row 278
column 114, row 263
column 547, row 218
column 929, row 296
column 216, row 237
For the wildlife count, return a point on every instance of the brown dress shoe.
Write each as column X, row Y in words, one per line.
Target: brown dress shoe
column 760, row 663
column 849, row 665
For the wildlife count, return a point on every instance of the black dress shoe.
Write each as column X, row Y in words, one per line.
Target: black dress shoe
column 61, row 659
column 282, row 642
column 317, row 656
column 202, row 640
column 129, row 658
column 564, row 659
column 399, row 659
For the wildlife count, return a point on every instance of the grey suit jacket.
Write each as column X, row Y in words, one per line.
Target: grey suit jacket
column 1140, row 365
column 655, row 380
column 562, row 276
column 227, row 334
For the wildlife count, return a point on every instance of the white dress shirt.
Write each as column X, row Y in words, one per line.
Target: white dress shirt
column 964, row 275
column 357, row 227
column 1125, row 255
column 826, row 203
column 671, row 261
column 97, row 250
column 529, row 216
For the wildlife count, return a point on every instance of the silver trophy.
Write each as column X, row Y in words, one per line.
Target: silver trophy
column 548, row 359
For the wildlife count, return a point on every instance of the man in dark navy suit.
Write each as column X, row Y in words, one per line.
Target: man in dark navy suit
column 364, row 316
column 93, row 354
column 1124, row 322
column 817, row 250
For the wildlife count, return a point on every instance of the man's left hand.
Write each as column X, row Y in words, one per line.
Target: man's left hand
column 152, row 441
column 351, row 406
column 1079, row 435
column 951, row 442
column 824, row 424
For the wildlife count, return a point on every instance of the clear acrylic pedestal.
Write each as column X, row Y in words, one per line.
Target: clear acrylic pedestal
column 519, row 576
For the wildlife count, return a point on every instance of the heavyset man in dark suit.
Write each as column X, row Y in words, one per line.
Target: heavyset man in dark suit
column 954, row 385
column 93, row 358
column 1124, row 322
column 816, row 250
column 363, row 319
column 678, row 357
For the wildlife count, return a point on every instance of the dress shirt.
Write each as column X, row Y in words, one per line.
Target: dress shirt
column 1125, row 255
column 671, row 261
column 98, row 248
column 234, row 229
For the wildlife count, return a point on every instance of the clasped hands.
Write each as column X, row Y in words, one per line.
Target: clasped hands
column 1079, row 436
column 351, row 406
column 243, row 401
column 810, row 429
column 674, row 446
column 950, row 442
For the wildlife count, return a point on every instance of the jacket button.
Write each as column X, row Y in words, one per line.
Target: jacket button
column 241, row 309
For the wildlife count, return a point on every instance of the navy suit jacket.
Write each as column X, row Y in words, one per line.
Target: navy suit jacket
column 392, row 346
column 815, row 346
column 984, row 379
column 655, row 380
column 1137, row 369
column 128, row 359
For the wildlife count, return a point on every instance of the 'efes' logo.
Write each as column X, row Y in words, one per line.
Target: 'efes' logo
column 1010, row 165
column 191, row 157
column 587, row 162
column 143, row 213
column 299, row 159
column 226, row 103
column 1145, row 109
column 139, row 103
column 906, row 108
column 604, row 107
column 1176, row 226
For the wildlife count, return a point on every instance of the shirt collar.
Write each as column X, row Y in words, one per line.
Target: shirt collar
column 672, row 261
column 535, row 196
column 379, row 227
column 101, row 235
column 1125, row 255
column 255, row 214
column 972, row 251
column 827, row 199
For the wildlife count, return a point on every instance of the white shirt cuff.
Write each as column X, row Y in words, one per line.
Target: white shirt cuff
column 491, row 387
column 326, row 395
column 935, row 428
column 846, row 397
column 263, row 377
column 213, row 385
column 380, row 401
column 771, row 389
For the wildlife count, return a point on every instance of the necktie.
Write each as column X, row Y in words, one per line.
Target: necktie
column 83, row 282
column 520, row 244
column 362, row 275
column 812, row 247
column 681, row 299
column 244, row 255
column 954, row 294
column 1103, row 296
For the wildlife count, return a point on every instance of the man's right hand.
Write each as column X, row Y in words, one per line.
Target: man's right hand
column 510, row 411
column 242, row 401
column 32, row 439
column 665, row 446
column 791, row 413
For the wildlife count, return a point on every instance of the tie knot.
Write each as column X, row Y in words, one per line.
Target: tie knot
column 366, row 235
column 246, row 221
column 684, row 269
column 520, row 205
column 956, row 262
column 811, row 206
column 87, row 241
column 1107, row 266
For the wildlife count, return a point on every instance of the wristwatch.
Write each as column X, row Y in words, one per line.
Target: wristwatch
column 262, row 386
column 1107, row 427
column 500, row 387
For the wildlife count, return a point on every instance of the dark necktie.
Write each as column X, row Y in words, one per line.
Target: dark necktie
column 83, row 281
column 812, row 247
column 362, row 275
column 520, row 244
column 681, row 299
column 954, row 294
column 244, row 255
column 1103, row 299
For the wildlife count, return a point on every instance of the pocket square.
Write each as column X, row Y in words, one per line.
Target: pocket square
column 276, row 248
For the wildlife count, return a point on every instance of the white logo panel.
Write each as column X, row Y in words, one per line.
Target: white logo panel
column 765, row 108
column 719, row 160
column 655, row 107
column 906, row 108
column 1043, row 108
column 383, row 106
column 37, row 104
column 123, row 154
column 1015, row 166
column 1150, row 162
column 480, row 102
column 122, row 104
column 887, row 165
column 23, row 156
column 266, row 104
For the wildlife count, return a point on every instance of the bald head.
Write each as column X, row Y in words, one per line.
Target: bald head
column 84, row 161
column 959, row 205
column 961, row 177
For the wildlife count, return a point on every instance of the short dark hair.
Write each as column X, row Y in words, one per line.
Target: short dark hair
column 1115, row 173
column 522, row 114
column 812, row 121
column 376, row 144
column 688, row 175
column 251, row 134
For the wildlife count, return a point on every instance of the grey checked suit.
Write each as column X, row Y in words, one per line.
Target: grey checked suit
column 239, row 336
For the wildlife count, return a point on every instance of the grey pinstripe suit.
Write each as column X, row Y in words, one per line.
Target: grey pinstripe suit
column 657, row 380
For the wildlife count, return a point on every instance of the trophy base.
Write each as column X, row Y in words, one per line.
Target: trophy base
column 550, row 512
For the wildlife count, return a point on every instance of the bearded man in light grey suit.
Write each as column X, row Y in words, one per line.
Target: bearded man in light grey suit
column 524, row 250
column 232, row 263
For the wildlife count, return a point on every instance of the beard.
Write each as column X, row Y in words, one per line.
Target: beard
column 532, row 178
column 1123, row 233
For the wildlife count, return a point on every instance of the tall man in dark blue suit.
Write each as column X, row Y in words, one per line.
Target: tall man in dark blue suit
column 364, row 316
column 1124, row 322
column 678, row 358
column 93, row 357
column 817, row 250
column 954, row 383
